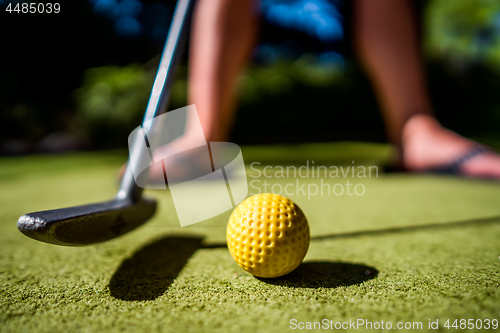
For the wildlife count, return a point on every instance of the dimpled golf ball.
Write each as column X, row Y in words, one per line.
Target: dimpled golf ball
column 268, row 235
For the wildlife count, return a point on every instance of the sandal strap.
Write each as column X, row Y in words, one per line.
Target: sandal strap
column 453, row 167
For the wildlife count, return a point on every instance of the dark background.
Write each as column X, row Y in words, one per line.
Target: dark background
column 77, row 80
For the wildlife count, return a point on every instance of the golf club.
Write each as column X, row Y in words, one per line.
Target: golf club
column 88, row 224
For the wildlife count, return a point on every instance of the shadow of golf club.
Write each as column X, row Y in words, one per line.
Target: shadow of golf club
column 152, row 269
column 325, row 274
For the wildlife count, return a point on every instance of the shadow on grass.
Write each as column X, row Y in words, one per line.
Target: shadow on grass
column 466, row 223
column 395, row 230
column 325, row 274
column 152, row 269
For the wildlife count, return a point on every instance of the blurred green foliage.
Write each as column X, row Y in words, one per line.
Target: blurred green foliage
column 464, row 30
column 111, row 100
column 291, row 101
column 279, row 78
column 305, row 101
column 332, row 103
column 309, row 99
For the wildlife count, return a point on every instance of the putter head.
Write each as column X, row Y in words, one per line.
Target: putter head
column 88, row 224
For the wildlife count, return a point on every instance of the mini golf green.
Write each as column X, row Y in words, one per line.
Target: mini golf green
column 412, row 248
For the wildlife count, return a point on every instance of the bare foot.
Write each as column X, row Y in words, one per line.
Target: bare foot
column 427, row 145
column 182, row 159
column 156, row 175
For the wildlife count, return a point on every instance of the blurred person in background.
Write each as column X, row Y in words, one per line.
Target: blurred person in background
column 224, row 33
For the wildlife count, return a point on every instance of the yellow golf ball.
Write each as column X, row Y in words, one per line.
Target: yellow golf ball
column 268, row 235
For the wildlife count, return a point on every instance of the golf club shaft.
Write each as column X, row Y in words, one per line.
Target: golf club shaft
column 160, row 94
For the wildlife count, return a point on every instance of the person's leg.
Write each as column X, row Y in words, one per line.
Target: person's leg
column 223, row 34
column 386, row 40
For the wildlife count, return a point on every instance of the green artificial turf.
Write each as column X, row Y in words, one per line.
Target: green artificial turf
column 412, row 248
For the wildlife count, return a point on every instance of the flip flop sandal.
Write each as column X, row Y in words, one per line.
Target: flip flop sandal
column 453, row 168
